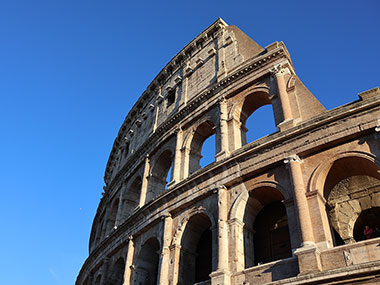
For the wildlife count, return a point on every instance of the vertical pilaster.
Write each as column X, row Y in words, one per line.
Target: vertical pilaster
column 236, row 244
column 223, row 116
column 144, row 185
column 175, row 253
column 177, row 156
column 129, row 261
column 119, row 214
column 163, row 278
column 159, row 99
column 308, row 254
column 222, row 276
column 278, row 74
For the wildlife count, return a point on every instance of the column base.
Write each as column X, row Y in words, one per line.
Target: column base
column 221, row 155
column 309, row 260
column 220, row 278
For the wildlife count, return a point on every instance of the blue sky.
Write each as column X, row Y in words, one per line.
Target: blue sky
column 71, row 70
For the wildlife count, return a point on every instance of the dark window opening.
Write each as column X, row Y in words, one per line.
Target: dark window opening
column 271, row 240
column 170, row 97
column 369, row 218
column 203, row 264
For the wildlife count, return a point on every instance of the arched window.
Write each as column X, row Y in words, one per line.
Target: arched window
column 131, row 198
column 146, row 264
column 271, row 240
column 202, row 133
column 351, row 187
column 196, row 251
column 97, row 280
column 367, row 225
column 116, row 274
column 266, row 230
column 159, row 173
column 112, row 217
column 257, row 118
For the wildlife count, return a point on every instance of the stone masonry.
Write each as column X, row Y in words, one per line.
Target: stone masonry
column 288, row 208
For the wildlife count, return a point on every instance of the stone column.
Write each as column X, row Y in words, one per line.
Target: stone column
column 119, row 215
column 163, row 278
column 144, row 185
column 104, row 270
column 129, row 262
column 222, row 276
column 278, row 74
column 177, row 156
column 185, row 152
column 308, row 254
column 223, row 116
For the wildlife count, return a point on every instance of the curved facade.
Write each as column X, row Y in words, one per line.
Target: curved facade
column 289, row 208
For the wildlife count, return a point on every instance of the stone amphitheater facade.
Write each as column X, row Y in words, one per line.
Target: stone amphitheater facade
column 288, row 208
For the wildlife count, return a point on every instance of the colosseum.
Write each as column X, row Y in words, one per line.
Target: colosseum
column 298, row 206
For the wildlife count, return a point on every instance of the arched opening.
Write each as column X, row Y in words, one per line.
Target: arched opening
column 132, row 198
column 367, row 225
column 112, row 217
column 208, row 151
column 146, row 264
column 159, row 174
column 257, row 117
column 352, row 187
column 202, row 133
column 116, row 274
column 271, row 240
column 196, row 251
column 97, row 280
column 266, row 230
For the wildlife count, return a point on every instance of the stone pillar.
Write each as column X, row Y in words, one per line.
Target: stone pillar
column 308, row 255
column 177, row 156
column 119, row 215
column 129, row 262
column 185, row 152
column 279, row 73
column 322, row 233
column 236, row 239
column 222, row 276
column 144, row 184
column 220, row 56
column 163, row 278
column 223, row 116
column 175, row 254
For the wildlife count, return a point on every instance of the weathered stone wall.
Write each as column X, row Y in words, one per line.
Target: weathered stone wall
column 211, row 87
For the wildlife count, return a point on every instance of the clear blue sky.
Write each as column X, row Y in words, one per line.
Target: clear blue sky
column 71, row 70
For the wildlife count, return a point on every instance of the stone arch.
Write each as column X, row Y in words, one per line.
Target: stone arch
column 350, row 183
column 182, row 225
column 111, row 222
column 131, row 197
column 195, row 263
column 319, row 175
column 238, row 206
column 116, row 274
column 263, row 200
column 98, row 279
column 158, row 173
column 205, row 129
column 146, row 263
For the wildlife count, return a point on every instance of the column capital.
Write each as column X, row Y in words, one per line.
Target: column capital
column 166, row 215
column 278, row 70
column 293, row 158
